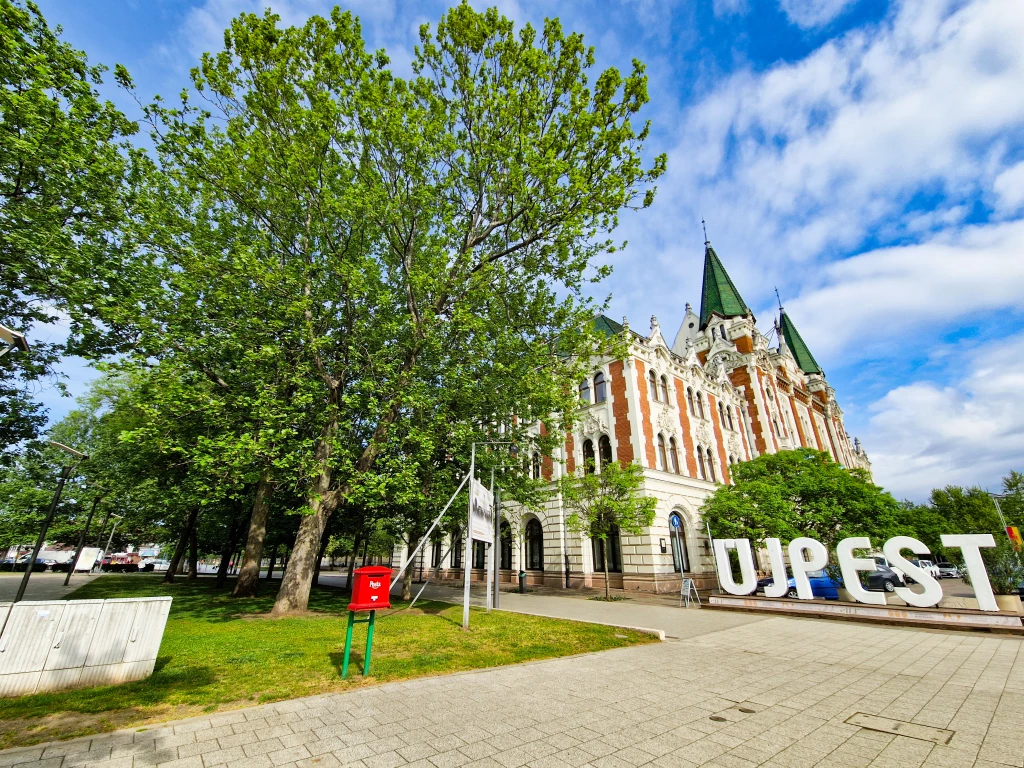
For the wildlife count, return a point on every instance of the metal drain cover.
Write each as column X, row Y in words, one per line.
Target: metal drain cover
column 901, row 728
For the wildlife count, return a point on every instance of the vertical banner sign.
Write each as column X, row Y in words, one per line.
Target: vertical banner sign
column 481, row 513
column 1014, row 535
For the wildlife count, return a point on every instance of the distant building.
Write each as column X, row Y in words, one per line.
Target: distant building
column 687, row 412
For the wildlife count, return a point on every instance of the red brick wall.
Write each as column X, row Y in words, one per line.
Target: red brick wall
column 620, row 413
column 647, row 428
column 796, row 421
column 546, row 465
column 723, row 459
column 690, row 460
column 741, row 378
column 570, row 454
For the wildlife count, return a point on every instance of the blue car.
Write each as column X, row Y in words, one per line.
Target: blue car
column 822, row 586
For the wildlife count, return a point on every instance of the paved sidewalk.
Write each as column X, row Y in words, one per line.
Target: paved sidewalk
column 43, row 585
column 775, row 692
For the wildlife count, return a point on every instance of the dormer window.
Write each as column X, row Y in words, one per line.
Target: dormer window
column 664, row 389
column 700, row 405
column 600, row 388
column 652, row 385
column 689, row 400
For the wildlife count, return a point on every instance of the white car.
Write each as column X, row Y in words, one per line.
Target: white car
column 948, row 571
column 929, row 567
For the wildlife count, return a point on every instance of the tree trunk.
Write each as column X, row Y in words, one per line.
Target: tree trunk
column 352, row 561
column 325, row 540
column 273, row 561
column 179, row 549
column 249, row 574
column 407, row 576
column 193, row 555
column 228, row 554
column 604, row 552
column 293, row 596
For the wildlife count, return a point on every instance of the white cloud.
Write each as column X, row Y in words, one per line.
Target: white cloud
column 730, row 7
column 813, row 13
column 803, row 162
column 968, row 433
column 1009, row 189
column 877, row 299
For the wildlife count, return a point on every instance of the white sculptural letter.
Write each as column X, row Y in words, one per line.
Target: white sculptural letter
column 970, row 544
column 780, row 586
column 850, row 565
column 742, row 547
column 801, row 567
column 932, row 591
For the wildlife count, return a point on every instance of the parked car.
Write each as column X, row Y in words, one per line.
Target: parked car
column 822, row 586
column 884, row 579
column 928, row 567
column 948, row 571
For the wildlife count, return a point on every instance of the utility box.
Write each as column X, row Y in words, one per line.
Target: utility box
column 54, row 645
column 371, row 588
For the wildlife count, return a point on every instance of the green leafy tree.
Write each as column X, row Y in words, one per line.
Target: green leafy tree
column 598, row 502
column 362, row 250
column 804, row 492
column 67, row 175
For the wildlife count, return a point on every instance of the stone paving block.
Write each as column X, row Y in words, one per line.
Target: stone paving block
column 188, row 762
column 289, row 755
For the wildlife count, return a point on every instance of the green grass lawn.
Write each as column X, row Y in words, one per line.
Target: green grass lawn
column 219, row 653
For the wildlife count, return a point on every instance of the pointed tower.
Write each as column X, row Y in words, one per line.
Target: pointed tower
column 796, row 344
column 718, row 295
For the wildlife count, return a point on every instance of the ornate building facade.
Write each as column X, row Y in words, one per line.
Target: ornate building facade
column 687, row 411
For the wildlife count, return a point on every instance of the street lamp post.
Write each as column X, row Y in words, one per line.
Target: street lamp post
column 65, row 473
column 469, row 526
column 106, row 549
column 81, row 539
column 13, row 340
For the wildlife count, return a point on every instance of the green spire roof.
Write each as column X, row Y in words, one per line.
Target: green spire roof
column 718, row 296
column 796, row 345
column 607, row 326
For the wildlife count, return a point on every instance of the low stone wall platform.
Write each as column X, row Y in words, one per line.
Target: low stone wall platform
column 935, row 618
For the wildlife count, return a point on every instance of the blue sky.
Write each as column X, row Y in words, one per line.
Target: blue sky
column 865, row 157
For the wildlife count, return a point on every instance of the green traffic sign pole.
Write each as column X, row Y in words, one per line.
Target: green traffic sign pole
column 348, row 643
column 369, row 644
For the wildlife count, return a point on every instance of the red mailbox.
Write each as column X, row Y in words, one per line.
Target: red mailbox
column 371, row 588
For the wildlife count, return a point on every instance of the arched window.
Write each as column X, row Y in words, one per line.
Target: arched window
column 662, row 458
column 652, row 385
column 701, row 468
column 689, row 400
column 711, row 468
column 585, row 391
column 728, row 412
column 506, row 545
column 673, row 454
column 721, row 413
column 664, row 389
column 457, row 550
column 613, row 546
column 534, row 545
column 776, row 424
column 680, row 561
column 535, row 467
column 588, row 456
column 700, row 405
column 600, row 388
column 604, row 448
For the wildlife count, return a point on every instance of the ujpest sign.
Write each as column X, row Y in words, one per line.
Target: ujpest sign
column 806, row 555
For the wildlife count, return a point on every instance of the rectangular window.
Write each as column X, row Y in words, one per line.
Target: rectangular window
column 457, row 553
column 479, row 556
